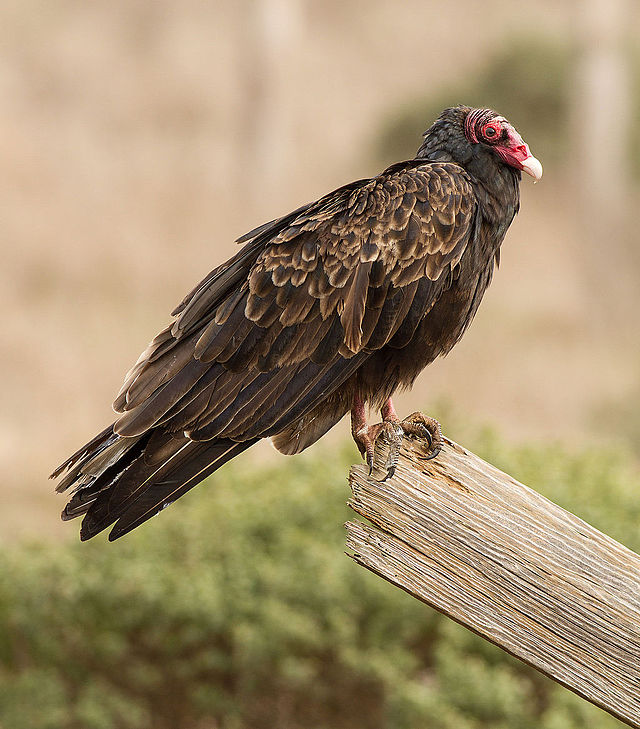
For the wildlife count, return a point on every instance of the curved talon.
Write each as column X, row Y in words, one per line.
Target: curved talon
column 367, row 439
column 418, row 430
column 392, row 434
column 419, row 424
column 391, row 431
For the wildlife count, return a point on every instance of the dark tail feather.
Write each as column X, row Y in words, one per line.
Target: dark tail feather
column 98, row 471
column 181, row 480
column 162, row 473
column 94, row 447
column 129, row 480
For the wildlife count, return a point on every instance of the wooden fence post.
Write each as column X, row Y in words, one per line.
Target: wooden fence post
column 508, row 564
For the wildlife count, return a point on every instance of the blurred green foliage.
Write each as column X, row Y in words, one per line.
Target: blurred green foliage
column 237, row 609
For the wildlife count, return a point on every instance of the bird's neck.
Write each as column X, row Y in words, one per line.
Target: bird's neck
column 497, row 189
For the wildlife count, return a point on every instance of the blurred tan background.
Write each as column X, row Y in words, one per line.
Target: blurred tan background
column 138, row 139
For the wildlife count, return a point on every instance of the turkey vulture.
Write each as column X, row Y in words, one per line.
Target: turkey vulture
column 323, row 311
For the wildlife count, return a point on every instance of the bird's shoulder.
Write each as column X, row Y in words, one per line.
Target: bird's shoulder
column 370, row 200
column 415, row 215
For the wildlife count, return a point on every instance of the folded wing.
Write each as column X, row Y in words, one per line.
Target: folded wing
column 263, row 339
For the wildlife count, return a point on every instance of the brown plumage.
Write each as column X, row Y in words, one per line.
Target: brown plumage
column 335, row 305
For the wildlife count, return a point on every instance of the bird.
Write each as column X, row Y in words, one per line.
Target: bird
column 328, row 310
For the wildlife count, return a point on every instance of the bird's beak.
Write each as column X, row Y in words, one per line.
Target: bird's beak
column 517, row 154
column 532, row 166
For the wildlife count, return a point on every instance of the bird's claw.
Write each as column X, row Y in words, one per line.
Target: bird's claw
column 389, row 433
column 422, row 426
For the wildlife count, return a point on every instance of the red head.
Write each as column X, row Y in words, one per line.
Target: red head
column 484, row 126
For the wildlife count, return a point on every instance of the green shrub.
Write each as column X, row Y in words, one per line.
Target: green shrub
column 237, row 609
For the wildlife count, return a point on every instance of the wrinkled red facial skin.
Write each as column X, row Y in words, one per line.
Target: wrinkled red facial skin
column 514, row 151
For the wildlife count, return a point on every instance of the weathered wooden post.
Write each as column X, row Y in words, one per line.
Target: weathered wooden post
column 510, row 565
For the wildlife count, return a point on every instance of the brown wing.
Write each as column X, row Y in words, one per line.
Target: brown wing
column 295, row 313
column 268, row 336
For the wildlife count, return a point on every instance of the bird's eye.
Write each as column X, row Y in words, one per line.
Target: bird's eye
column 489, row 131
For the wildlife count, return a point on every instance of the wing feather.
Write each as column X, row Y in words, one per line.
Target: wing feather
column 354, row 306
column 336, row 277
column 271, row 334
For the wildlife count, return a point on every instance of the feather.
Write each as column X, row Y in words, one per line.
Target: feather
column 156, row 373
column 229, row 304
column 240, row 335
column 142, row 490
column 141, row 418
column 262, row 387
column 307, row 430
column 300, row 346
column 353, row 312
column 94, row 446
column 257, row 399
column 319, row 285
column 386, row 320
column 419, row 307
column 298, row 308
column 328, row 346
column 407, row 275
column 369, row 252
column 272, row 359
column 308, row 388
column 247, row 352
column 407, row 245
column 356, row 291
column 213, row 377
column 227, row 395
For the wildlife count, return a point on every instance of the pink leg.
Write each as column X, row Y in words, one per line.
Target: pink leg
column 388, row 412
column 358, row 418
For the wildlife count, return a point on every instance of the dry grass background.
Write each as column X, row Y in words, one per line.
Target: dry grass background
column 131, row 160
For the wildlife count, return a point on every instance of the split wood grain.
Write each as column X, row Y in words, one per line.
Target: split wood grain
column 508, row 564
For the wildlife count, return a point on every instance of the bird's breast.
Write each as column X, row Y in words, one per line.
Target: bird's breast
column 440, row 328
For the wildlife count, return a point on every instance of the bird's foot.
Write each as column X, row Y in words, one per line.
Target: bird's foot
column 390, row 433
column 416, row 425
column 420, row 425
